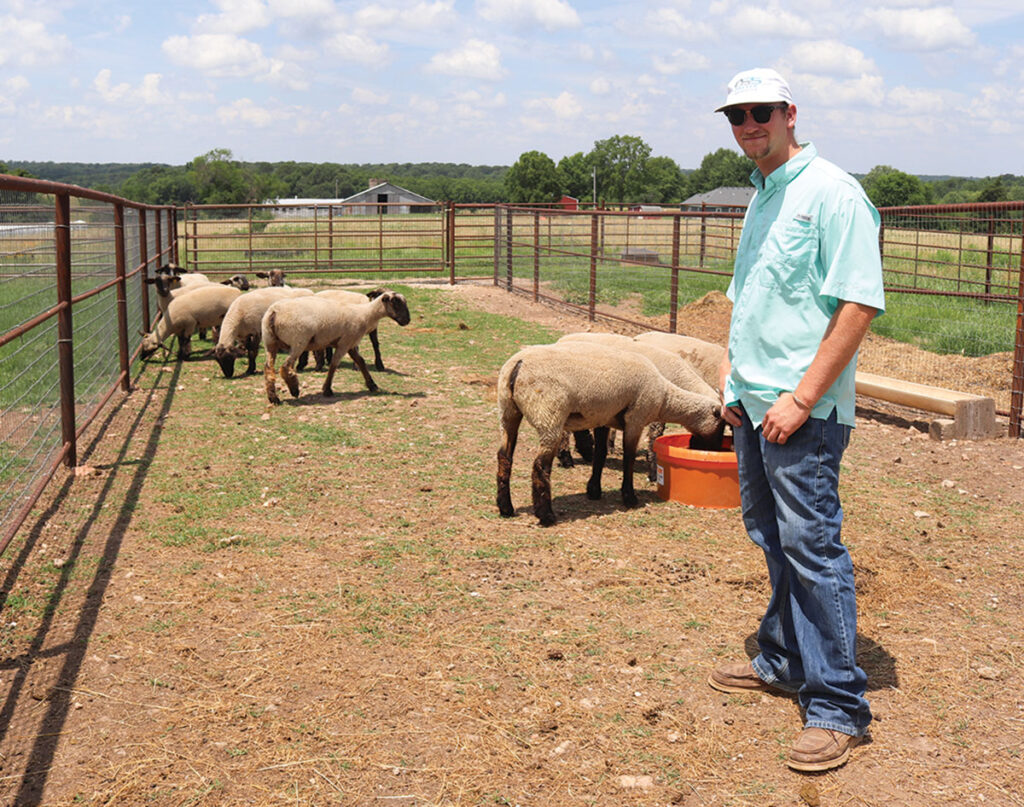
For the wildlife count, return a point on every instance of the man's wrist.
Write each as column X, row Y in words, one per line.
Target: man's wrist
column 800, row 403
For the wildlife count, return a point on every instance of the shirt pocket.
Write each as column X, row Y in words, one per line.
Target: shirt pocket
column 790, row 256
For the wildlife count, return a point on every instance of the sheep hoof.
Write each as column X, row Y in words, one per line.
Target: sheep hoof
column 630, row 500
column 328, row 393
column 593, row 491
column 274, row 400
column 546, row 519
column 565, row 459
column 378, row 365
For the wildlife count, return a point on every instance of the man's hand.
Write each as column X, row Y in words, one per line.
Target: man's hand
column 785, row 417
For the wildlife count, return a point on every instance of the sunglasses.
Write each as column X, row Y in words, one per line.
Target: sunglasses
column 760, row 114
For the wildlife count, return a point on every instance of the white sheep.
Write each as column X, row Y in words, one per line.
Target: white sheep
column 316, row 323
column 275, row 277
column 203, row 308
column 671, row 365
column 241, row 330
column 706, row 357
column 351, row 297
column 587, row 386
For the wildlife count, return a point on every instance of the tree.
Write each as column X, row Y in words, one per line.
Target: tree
column 574, row 173
column 887, row 187
column 621, row 163
column 665, row 181
column 724, row 168
column 221, row 180
column 533, row 179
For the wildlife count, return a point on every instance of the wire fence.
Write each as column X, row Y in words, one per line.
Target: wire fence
column 73, row 296
column 954, row 282
column 72, row 270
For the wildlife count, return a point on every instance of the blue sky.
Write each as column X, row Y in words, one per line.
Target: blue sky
column 928, row 88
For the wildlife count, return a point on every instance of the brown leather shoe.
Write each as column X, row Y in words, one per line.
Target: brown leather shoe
column 820, row 749
column 737, row 676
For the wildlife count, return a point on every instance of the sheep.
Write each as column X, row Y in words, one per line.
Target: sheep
column 315, row 323
column 172, row 284
column 203, row 308
column 275, row 277
column 241, row 330
column 706, row 357
column 582, row 386
column 343, row 296
column 671, row 365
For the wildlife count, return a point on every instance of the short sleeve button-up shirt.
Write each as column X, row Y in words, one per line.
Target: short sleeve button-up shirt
column 809, row 240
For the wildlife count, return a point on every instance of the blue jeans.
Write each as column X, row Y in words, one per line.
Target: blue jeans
column 807, row 638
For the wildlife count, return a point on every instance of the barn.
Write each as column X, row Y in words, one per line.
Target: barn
column 386, row 198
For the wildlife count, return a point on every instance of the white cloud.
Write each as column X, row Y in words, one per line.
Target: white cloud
column 359, row 48
column 475, row 59
column 245, row 112
column 678, row 24
column 864, row 90
column 148, row 92
column 832, row 57
column 303, row 9
column 27, row 42
column 363, row 96
column 217, row 54
column 916, row 101
column 418, row 17
column 550, row 14
column 600, row 86
column 756, row 21
column 565, row 106
column 235, row 17
column 921, row 29
column 679, row 61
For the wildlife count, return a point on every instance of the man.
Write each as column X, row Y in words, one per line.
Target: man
column 806, row 285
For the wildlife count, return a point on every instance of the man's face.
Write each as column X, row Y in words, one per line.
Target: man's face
column 767, row 144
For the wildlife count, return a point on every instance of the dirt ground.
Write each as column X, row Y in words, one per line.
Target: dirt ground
column 363, row 630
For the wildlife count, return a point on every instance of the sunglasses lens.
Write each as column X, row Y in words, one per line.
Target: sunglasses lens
column 761, row 114
column 736, row 116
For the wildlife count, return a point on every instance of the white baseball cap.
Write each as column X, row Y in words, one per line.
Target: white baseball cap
column 762, row 85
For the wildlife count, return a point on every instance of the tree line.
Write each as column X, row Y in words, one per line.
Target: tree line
column 621, row 169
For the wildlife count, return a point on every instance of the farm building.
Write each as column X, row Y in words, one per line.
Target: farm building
column 379, row 197
column 384, row 197
column 720, row 200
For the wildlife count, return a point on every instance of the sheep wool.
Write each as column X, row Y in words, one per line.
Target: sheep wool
column 587, row 386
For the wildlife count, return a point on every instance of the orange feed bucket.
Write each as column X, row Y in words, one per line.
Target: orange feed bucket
column 701, row 478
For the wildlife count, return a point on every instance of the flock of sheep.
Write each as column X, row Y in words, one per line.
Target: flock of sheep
column 584, row 381
column 328, row 323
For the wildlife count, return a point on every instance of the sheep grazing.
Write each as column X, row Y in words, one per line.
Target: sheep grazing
column 203, row 308
column 316, row 323
column 241, row 330
column 587, row 386
column 671, row 365
column 706, row 357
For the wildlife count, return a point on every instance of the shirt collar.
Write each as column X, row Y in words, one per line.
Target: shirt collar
column 786, row 172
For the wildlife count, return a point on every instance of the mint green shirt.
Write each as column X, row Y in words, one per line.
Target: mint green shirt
column 809, row 240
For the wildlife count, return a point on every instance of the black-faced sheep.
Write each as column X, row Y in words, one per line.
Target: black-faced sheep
column 317, row 323
column 587, row 386
column 274, row 277
column 203, row 308
column 241, row 331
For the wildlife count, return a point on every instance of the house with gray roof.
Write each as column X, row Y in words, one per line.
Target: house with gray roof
column 721, row 200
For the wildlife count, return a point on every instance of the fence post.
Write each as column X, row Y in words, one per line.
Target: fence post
column 536, row 256
column 508, row 249
column 450, row 241
column 65, row 347
column 592, row 296
column 172, row 231
column 1017, row 374
column 989, row 252
column 703, row 233
column 673, row 294
column 496, row 228
column 144, row 260
column 122, row 295
column 158, row 242
column 249, row 239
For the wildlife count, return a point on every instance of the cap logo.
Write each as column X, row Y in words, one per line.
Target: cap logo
column 747, row 84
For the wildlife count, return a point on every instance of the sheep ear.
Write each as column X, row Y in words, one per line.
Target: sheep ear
column 261, row 274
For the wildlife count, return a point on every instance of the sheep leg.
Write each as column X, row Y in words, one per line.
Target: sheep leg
column 542, row 485
column 630, row 440
column 597, row 464
column 506, row 449
column 584, row 444
column 378, row 362
column 564, row 454
column 288, row 375
column 269, row 378
column 184, row 345
column 361, row 364
column 654, row 431
column 252, row 347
